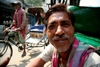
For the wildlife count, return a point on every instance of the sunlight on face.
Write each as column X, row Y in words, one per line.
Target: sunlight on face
column 60, row 31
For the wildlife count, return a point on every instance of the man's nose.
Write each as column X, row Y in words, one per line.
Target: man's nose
column 59, row 31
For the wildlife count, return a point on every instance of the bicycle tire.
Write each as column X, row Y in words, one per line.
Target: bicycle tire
column 5, row 50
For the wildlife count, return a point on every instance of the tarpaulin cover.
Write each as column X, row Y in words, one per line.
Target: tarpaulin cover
column 89, row 40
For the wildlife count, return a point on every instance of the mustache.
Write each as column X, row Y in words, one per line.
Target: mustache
column 62, row 36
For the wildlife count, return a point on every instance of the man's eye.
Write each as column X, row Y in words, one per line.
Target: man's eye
column 66, row 24
column 51, row 26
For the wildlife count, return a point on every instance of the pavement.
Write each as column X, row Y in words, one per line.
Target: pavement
column 17, row 61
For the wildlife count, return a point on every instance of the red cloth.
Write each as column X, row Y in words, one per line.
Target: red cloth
column 80, row 55
column 19, row 22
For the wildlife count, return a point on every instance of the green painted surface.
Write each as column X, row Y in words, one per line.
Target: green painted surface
column 87, row 20
column 87, row 25
column 88, row 40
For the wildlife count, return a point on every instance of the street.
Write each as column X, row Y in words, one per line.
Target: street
column 17, row 61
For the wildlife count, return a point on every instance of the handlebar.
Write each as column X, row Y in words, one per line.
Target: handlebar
column 8, row 29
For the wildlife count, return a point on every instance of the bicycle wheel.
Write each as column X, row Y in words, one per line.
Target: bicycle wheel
column 5, row 51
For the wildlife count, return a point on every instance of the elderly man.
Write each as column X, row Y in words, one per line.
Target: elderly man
column 20, row 23
column 21, row 26
column 65, row 50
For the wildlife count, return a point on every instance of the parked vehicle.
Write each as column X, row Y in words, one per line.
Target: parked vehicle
column 87, row 22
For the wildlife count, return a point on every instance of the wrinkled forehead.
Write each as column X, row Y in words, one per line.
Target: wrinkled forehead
column 58, row 16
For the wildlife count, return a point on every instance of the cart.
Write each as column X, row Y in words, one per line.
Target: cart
column 37, row 37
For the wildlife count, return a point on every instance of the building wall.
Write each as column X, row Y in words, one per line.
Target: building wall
column 6, row 10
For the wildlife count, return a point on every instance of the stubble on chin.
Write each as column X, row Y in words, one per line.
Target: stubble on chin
column 63, row 49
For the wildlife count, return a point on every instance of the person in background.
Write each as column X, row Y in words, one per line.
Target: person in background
column 64, row 49
column 21, row 25
column 42, row 16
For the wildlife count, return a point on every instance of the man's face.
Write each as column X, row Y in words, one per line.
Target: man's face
column 16, row 6
column 60, row 31
column 42, row 15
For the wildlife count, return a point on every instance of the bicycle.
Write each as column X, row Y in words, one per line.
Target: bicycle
column 8, row 39
column 7, row 46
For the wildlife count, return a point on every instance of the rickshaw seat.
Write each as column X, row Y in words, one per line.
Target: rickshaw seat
column 37, row 28
column 37, row 34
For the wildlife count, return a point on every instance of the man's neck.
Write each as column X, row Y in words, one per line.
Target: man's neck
column 65, row 55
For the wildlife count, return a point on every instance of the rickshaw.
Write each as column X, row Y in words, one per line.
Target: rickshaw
column 34, row 16
column 36, row 29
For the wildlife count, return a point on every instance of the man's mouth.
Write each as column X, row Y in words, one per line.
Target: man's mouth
column 61, row 40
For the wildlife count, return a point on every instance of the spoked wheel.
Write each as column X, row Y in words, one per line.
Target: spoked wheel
column 5, row 50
